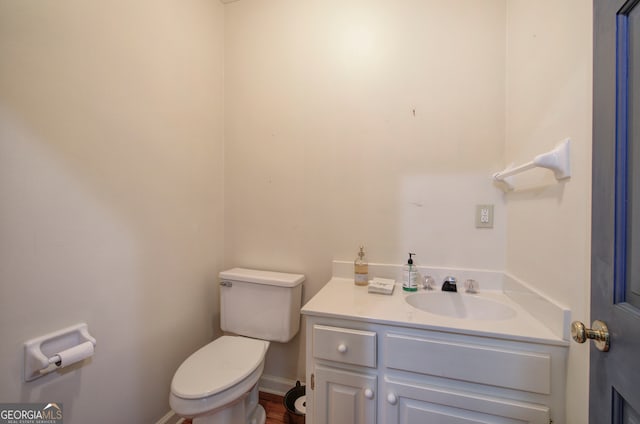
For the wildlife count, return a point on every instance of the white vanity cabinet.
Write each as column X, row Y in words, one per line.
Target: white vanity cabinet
column 364, row 372
column 344, row 397
column 413, row 402
column 447, row 378
column 344, row 375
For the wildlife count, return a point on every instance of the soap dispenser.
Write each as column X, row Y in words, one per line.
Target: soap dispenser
column 410, row 275
column 361, row 269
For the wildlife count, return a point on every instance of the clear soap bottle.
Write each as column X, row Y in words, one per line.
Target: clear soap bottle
column 410, row 275
column 361, row 269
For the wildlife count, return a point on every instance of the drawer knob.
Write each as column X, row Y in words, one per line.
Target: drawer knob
column 342, row 348
column 392, row 399
column 368, row 393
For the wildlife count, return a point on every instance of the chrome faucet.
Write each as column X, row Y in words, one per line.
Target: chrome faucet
column 450, row 284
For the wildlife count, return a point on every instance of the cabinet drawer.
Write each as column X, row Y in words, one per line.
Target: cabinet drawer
column 344, row 345
column 497, row 365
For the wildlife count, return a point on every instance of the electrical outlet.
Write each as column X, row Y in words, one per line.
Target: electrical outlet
column 484, row 216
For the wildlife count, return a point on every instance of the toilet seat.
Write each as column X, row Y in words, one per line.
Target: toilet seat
column 218, row 366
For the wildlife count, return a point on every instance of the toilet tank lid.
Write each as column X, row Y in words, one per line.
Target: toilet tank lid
column 262, row 277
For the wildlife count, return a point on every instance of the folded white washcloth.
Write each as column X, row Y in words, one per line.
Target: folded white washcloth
column 382, row 285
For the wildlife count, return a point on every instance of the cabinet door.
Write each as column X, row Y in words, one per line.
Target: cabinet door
column 410, row 402
column 344, row 397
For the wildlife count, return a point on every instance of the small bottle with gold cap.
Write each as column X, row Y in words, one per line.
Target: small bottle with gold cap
column 361, row 269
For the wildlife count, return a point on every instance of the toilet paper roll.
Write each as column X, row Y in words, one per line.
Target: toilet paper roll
column 300, row 405
column 75, row 354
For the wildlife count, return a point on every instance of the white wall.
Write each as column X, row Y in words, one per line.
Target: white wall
column 549, row 79
column 375, row 122
column 111, row 180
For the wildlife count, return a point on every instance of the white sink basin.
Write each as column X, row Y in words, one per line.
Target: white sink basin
column 459, row 305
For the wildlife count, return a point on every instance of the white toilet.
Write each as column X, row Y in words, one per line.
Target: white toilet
column 219, row 382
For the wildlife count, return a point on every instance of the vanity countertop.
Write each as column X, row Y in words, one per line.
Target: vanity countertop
column 341, row 298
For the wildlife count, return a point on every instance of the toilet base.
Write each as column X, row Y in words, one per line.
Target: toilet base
column 245, row 411
column 259, row 416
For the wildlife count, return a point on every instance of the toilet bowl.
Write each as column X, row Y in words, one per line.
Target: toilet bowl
column 218, row 384
column 219, row 375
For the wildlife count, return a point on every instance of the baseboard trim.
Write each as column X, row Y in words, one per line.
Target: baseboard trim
column 170, row 418
column 276, row 385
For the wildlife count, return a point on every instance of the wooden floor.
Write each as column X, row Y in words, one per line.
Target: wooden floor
column 272, row 404
column 276, row 412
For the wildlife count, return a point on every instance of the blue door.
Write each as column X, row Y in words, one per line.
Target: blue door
column 614, row 383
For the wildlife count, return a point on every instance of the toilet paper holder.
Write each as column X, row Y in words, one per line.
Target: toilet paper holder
column 56, row 350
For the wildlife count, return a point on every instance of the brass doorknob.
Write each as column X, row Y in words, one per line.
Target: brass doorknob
column 599, row 333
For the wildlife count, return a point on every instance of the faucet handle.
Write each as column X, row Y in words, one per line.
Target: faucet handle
column 471, row 286
column 429, row 282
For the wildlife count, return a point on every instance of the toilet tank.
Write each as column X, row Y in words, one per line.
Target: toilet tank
column 260, row 304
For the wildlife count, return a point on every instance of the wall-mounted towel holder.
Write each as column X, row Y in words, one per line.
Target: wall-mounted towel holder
column 59, row 349
column 557, row 160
